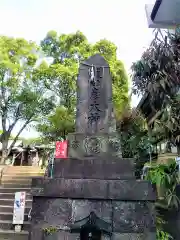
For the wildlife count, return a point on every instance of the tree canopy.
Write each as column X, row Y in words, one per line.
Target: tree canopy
column 44, row 92
column 157, row 72
column 65, row 52
column 133, row 129
column 22, row 96
column 57, row 125
column 135, row 141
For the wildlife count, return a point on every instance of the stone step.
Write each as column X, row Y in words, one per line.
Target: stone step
column 22, row 172
column 9, row 216
column 4, row 195
column 16, row 180
column 16, row 185
column 24, row 168
column 14, row 170
column 21, row 175
column 14, row 189
column 7, row 225
column 10, row 202
column 12, row 235
column 10, row 209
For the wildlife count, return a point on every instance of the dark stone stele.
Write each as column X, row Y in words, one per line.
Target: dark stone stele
column 93, row 194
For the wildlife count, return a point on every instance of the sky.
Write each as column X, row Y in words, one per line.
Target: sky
column 120, row 21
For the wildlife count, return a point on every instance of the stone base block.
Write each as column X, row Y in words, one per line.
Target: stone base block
column 93, row 189
column 122, row 217
column 108, row 167
column 85, row 145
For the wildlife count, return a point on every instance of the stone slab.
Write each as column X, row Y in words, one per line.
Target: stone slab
column 81, row 146
column 37, row 234
column 51, row 212
column 116, row 236
column 81, row 208
column 133, row 217
column 94, row 189
column 133, row 236
column 108, row 167
column 123, row 217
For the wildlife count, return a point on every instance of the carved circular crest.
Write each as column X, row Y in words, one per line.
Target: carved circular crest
column 75, row 144
column 92, row 145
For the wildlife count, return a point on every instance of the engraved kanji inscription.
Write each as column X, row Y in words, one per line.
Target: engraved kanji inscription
column 99, row 72
column 94, row 96
column 94, row 107
column 93, row 118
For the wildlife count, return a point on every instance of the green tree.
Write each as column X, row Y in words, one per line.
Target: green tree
column 135, row 142
column 167, row 127
column 166, row 179
column 156, row 74
column 133, row 128
column 66, row 52
column 31, row 141
column 57, row 125
column 22, row 97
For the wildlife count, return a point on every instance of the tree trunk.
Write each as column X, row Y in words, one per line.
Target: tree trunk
column 4, row 151
column 18, row 134
column 22, row 158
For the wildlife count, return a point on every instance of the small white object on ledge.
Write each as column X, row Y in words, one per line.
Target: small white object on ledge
column 17, row 228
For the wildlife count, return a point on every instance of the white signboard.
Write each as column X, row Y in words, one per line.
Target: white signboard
column 19, row 207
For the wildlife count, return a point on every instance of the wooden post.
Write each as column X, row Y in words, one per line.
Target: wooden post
column 14, row 158
column 22, row 157
column 37, row 158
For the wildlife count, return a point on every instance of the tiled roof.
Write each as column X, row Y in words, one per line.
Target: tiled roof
column 17, row 144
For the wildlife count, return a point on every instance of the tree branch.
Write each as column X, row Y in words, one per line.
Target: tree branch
column 4, row 116
column 17, row 114
column 20, row 131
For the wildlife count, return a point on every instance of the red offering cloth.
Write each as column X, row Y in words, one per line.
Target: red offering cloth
column 61, row 149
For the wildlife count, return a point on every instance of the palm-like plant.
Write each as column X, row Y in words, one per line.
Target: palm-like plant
column 134, row 137
column 160, row 234
column 157, row 75
column 168, row 126
column 165, row 176
column 157, row 72
column 133, row 129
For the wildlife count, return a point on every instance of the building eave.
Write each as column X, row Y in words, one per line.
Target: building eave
column 144, row 105
column 155, row 9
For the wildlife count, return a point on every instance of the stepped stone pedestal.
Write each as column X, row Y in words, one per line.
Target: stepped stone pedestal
column 105, row 187
column 93, row 194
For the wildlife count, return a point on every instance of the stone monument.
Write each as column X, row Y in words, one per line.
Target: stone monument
column 93, row 194
column 95, row 121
